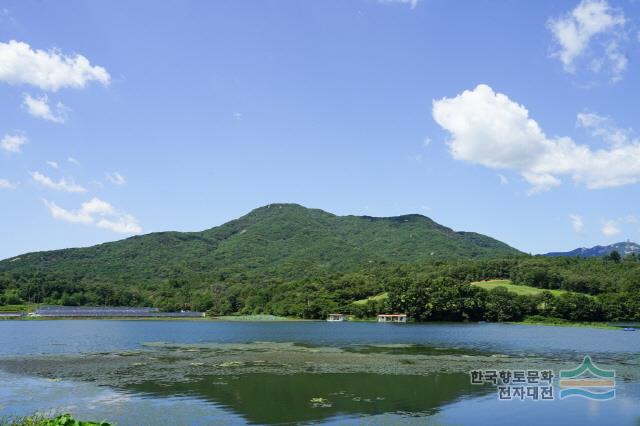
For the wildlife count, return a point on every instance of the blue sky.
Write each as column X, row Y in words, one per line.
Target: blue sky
column 507, row 118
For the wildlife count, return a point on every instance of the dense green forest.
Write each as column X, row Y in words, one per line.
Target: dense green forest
column 599, row 289
column 287, row 260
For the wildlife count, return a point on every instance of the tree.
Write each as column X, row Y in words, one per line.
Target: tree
column 502, row 305
column 615, row 256
column 578, row 307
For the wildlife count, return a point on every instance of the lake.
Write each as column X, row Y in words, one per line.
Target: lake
column 208, row 372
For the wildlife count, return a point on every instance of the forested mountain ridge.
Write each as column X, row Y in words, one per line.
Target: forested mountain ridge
column 287, row 260
column 282, row 239
column 623, row 248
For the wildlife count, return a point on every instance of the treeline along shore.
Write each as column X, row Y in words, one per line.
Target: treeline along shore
column 569, row 289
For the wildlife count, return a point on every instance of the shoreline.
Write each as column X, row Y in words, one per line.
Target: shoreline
column 240, row 318
column 594, row 325
column 229, row 318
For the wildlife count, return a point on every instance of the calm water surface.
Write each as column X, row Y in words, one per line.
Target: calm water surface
column 446, row 398
column 86, row 336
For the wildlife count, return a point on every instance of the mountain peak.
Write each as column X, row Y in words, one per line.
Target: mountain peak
column 624, row 248
column 275, row 208
column 282, row 236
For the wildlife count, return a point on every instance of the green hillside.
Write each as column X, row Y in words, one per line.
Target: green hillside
column 515, row 288
column 522, row 290
column 287, row 261
column 284, row 240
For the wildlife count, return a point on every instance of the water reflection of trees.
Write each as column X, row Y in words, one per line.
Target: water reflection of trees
column 271, row 398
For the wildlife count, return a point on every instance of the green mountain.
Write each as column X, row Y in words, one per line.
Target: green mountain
column 285, row 240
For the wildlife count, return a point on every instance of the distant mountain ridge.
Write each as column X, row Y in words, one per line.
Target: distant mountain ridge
column 623, row 248
column 288, row 238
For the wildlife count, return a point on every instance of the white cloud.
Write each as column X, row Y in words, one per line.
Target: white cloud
column 116, row 178
column 540, row 182
column 39, row 107
column 59, row 213
column 610, row 228
column 49, row 70
column 97, row 206
column 590, row 20
column 603, row 127
column 73, row 161
column 489, row 129
column 577, row 222
column 61, row 185
column 426, row 142
column 5, row 184
column 97, row 212
column 124, row 224
column 53, row 164
column 411, row 3
column 503, row 179
column 617, row 59
column 12, row 143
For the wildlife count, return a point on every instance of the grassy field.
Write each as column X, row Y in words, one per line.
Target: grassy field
column 487, row 285
column 518, row 289
column 16, row 308
column 376, row 298
column 252, row 318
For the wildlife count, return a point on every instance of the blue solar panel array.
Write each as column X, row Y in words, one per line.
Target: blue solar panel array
column 117, row 311
column 11, row 314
